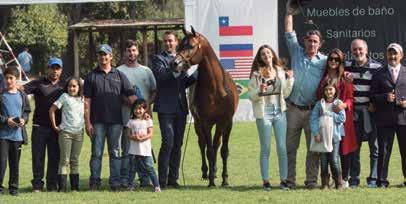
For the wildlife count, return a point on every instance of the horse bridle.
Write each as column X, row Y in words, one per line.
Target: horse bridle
column 189, row 47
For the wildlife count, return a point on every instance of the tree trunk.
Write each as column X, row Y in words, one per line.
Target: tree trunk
column 74, row 15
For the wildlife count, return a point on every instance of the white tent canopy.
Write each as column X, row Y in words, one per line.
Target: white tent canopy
column 17, row 2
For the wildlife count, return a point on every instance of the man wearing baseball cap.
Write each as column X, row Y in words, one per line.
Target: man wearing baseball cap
column 44, row 139
column 390, row 100
column 104, row 89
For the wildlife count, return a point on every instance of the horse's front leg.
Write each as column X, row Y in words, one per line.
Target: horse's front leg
column 202, row 146
column 216, row 145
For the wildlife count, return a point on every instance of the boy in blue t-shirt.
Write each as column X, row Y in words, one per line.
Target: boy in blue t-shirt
column 14, row 110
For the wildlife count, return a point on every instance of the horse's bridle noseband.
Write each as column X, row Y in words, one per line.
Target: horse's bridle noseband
column 189, row 47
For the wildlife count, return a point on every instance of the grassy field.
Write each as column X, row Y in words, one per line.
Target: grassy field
column 244, row 178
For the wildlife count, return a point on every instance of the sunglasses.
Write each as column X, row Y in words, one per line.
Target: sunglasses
column 334, row 59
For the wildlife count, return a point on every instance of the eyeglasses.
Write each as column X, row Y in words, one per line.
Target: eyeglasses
column 334, row 59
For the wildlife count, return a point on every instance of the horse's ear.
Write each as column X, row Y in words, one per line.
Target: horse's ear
column 184, row 31
column 193, row 31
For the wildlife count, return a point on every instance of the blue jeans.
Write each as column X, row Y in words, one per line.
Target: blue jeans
column 125, row 159
column 355, row 168
column 113, row 134
column 264, row 126
column 332, row 159
column 142, row 164
column 126, row 180
column 172, row 129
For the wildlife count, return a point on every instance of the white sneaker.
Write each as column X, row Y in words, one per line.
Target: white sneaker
column 345, row 184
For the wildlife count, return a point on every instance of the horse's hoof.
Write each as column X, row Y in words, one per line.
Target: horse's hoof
column 211, row 185
column 205, row 177
column 224, row 184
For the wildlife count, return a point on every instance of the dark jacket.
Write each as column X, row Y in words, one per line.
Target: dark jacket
column 171, row 96
column 25, row 111
column 388, row 114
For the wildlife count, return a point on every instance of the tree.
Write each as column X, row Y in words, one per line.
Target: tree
column 40, row 27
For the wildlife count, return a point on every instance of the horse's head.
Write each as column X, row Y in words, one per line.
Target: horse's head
column 190, row 51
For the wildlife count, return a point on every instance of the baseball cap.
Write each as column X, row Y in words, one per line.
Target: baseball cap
column 55, row 61
column 105, row 48
column 396, row 47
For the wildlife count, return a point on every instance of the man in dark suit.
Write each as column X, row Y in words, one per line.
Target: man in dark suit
column 388, row 92
column 172, row 108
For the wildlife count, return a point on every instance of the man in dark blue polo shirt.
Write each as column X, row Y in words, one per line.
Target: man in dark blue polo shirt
column 45, row 90
column 104, row 89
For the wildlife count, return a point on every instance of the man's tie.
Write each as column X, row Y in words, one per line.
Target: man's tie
column 394, row 75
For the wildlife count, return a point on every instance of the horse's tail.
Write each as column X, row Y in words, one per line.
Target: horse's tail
column 233, row 89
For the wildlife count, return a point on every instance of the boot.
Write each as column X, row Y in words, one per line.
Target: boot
column 63, row 178
column 338, row 181
column 74, row 182
column 325, row 181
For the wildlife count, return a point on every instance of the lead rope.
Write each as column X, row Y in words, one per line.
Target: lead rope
column 184, row 151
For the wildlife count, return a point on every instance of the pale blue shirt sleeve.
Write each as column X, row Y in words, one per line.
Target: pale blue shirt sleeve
column 61, row 100
column 293, row 45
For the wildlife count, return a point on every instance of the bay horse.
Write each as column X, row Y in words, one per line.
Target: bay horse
column 214, row 102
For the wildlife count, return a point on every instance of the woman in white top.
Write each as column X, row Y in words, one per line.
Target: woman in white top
column 269, row 85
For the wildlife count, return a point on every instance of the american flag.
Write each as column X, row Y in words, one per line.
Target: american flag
column 236, row 58
column 239, row 68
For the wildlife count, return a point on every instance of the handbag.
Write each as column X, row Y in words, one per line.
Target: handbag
column 326, row 130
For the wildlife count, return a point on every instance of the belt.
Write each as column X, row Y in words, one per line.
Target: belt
column 308, row 107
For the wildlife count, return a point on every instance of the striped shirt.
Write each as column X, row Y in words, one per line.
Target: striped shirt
column 362, row 79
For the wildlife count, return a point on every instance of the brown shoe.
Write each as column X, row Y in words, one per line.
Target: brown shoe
column 339, row 182
column 325, row 181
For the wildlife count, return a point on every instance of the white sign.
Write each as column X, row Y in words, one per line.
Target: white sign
column 235, row 30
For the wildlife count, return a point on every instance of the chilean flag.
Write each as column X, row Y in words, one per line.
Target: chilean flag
column 236, row 50
column 227, row 30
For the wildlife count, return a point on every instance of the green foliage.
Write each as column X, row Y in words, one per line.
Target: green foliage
column 43, row 27
column 39, row 25
column 106, row 10
column 160, row 9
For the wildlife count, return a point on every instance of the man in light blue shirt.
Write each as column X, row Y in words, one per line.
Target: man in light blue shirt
column 25, row 60
column 308, row 65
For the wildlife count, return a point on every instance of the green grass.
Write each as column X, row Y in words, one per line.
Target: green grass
column 244, row 178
